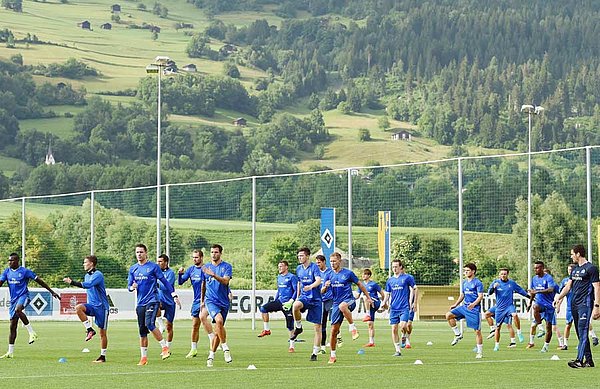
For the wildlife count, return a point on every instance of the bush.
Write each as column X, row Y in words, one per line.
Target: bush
column 364, row 135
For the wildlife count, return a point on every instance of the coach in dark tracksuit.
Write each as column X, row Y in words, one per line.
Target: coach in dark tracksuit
column 585, row 303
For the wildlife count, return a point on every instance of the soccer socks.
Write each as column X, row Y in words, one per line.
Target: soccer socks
column 372, row 339
column 332, row 353
column 316, row 349
column 266, row 326
column 169, row 344
column 398, row 347
column 531, row 339
column 144, row 352
column 351, row 327
column 479, row 349
column 566, row 341
column 224, row 346
column 87, row 324
column 292, row 343
column 30, row 329
column 513, row 340
column 103, row 351
column 593, row 333
column 211, row 354
column 298, row 323
column 561, row 342
column 163, row 342
column 194, row 345
column 11, row 348
column 161, row 324
column 456, row 330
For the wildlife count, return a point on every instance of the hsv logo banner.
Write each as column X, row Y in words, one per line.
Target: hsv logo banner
column 327, row 232
column 68, row 302
column 40, row 304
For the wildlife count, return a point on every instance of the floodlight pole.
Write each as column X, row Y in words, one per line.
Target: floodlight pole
column 530, row 110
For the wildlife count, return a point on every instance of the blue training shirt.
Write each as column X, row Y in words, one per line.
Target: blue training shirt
column 504, row 293
column 287, row 287
column 471, row 290
column 583, row 291
column 373, row 288
column 163, row 295
column 17, row 281
column 217, row 293
column 570, row 294
column 146, row 276
column 93, row 282
column 541, row 283
column 399, row 287
column 326, row 275
column 341, row 285
column 196, row 277
column 307, row 276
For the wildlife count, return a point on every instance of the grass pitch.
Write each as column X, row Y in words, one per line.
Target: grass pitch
column 443, row 366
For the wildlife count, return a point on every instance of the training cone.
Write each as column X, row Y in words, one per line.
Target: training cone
column 251, row 367
column 360, row 351
column 555, row 358
column 430, row 343
column 62, row 360
column 85, row 350
column 418, row 362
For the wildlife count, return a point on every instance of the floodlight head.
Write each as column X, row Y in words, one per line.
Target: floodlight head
column 152, row 69
column 528, row 108
column 539, row 110
column 161, row 60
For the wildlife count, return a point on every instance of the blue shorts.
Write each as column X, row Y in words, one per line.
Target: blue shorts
column 548, row 313
column 196, row 309
column 504, row 316
column 169, row 313
column 214, row 310
column 336, row 315
column 397, row 316
column 373, row 310
column 473, row 317
column 314, row 308
column 100, row 315
column 569, row 316
column 146, row 315
column 271, row 306
column 23, row 300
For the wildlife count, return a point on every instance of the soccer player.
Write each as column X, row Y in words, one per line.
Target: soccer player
column 504, row 288
column 143, row 277
column 400, row 289
column 97, row 303
column 472, row 294
column 18, row 277
column 287, row 289
column 327, row 298
column 374, row 291
column 543, row 291
column 568, row 314
column 309, row 299
column 585, row 303
column 166, row 301
column 217, row 275
column 340, row 281
column 195, row 274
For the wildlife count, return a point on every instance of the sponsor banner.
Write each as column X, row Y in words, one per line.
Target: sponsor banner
column 68, row 302
column 384, row 238
column 327, row 232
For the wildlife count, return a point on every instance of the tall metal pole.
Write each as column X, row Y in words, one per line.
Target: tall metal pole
column 529, row 201
column 158, row 170
column 167, row 220
column 350, row 219
column 588, row 182
column 23, row 232
column 253, row 305
column 460, row 229
column 92, row 222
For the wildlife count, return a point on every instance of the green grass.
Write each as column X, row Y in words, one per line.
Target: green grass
column 59, row 126
column 443, row 365
column 10, row 165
